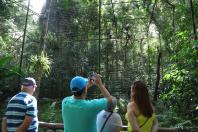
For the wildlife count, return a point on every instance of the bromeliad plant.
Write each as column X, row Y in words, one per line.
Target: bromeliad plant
column 40, row 65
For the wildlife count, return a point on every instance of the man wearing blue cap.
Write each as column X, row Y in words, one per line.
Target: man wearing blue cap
column 21, row 113
column 79, row 114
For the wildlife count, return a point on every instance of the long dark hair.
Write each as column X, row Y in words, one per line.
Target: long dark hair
column 141, row 98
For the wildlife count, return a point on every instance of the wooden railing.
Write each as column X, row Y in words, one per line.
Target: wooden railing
column 59, row 126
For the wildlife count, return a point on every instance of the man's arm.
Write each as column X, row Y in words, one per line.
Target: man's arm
column 26, row 123
column 4, row 124
column 102, row 88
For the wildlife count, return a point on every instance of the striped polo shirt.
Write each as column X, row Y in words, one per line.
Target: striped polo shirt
column 18, row 107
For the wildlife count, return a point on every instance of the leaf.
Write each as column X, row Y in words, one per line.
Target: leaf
column 167, row 76
column 195, row 43
column 5, row 60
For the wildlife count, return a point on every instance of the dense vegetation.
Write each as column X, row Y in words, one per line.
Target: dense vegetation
column 152, row 40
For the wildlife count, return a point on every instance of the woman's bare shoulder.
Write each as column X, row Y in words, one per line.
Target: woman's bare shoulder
column 131, row 104
column 133, row 107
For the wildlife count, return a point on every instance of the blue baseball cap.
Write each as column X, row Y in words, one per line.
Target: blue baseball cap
column 29, row 81
column 78, row 83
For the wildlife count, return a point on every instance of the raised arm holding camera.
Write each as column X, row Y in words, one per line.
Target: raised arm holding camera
column 104, row 91
column 78, row 113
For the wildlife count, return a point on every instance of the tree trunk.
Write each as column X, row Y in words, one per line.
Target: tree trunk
column 99, row 37
column 158, row 76
column 193, row 21
column 45, row 25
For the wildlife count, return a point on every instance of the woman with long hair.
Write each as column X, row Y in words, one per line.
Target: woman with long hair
column 140, row 111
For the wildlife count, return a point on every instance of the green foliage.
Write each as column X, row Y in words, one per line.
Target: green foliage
column 180, row 81
column 128, row 51
column 40, row 64
column 3, row 108
column 167, row 117
column 4, row 60
column 49, row 112
column 69, row 4
column 122, row 109
column 196, row 108
column 7, row 70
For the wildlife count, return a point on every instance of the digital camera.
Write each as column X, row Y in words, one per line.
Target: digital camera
column 91, row 75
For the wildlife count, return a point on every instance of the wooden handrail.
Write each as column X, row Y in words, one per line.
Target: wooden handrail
column 56, row 126
column 59, row 126
column 52, row 126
